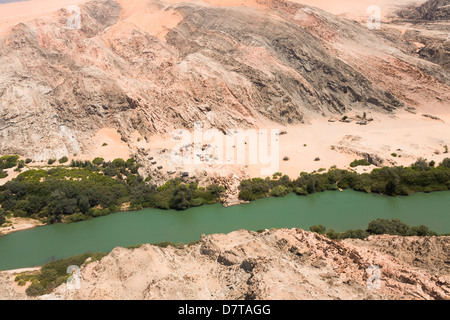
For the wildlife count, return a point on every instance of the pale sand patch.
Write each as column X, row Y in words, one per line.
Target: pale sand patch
column 11, row 175
column 13, row 285
column 114, row 148
column 17, row 271
column 149, row 17
column 19, row 224
column 21, row 12
column 410, row 136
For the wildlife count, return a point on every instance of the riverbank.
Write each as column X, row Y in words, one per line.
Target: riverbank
column 339, row 211
column 15, row 224
column 245, row 264
column 85, row 190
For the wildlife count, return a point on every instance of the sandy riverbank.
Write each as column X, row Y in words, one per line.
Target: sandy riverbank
column 19, row 224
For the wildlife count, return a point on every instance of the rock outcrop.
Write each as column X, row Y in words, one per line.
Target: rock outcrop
column 274, row 264
column 194, row 62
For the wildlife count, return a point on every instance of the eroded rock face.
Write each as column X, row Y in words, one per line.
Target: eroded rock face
column 275, row 264
column 227, row 67
column 430, row 22
column 431, row 10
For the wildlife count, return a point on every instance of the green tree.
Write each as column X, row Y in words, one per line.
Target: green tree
column 98, row 161
column 318, row 229
column 2, row 218
column 445, row 163
column 63, row 160
column 386, row 226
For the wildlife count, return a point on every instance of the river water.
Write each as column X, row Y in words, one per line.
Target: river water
column 335, row 210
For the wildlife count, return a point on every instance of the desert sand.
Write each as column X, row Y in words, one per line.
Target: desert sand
column 410, row 136
column 106, row 143
column 21, row 12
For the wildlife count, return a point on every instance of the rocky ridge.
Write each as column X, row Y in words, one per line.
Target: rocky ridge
column 59, row 85
column 274, row 264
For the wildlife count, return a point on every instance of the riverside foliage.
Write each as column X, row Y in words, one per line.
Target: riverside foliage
column 86, row 189
column 419, row 177
column 90, row 189
column 378, row 226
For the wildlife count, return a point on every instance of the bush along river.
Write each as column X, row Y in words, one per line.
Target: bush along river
column 335, row 210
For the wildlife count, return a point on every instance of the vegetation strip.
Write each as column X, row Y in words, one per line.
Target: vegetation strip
column 86, row 189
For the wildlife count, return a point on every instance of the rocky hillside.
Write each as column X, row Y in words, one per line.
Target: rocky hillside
column 431, row 10
column 159, row 65
column 429, row 24
column 275, row 264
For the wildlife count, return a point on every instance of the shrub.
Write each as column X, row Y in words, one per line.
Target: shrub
column 21, row 164
column 445, row 163
column 378, row 226
column 385, row 226
column 421, row 231
column 362, row 162
column 8, row 161
column 98, row 161
column 318, row 229
column 51, row 161
column 279, row 191
column 54, row 273
column 28, row 160
column 63, row 159
column 354, row 234
column 300, row 191
column 35, row 289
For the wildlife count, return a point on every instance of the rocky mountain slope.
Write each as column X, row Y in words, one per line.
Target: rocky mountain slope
column 159, row 65
column 275, row 264
column 431, row 10
column 429, row 25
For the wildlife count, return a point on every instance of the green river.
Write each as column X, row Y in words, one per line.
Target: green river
column 335, row 210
